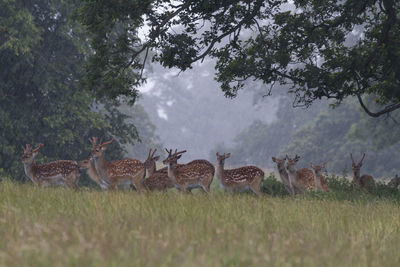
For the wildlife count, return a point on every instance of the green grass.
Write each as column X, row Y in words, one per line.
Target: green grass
column 56, row 226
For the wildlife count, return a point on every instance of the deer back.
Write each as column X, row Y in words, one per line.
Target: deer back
column 124, row 167
column 305, row 179
column 55, row 168
column 194, row 171
column 367, row 180
column 243, row 175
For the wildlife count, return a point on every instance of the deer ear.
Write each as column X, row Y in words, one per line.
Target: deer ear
column 311, row 165
column 156, row 158
column 217, row 154
column 178, row 157
column 273, row 159
column 228, row 155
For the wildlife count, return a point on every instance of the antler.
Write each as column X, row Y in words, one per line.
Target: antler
column 25, row 149
column 177, row 153
column 151, row 155
column 93, row 140
column 108, row 142
column 169, row 152
column 39, row 147
column 352, row 160
column 362, row 159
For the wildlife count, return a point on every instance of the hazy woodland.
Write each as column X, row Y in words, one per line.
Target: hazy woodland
column 258, row 79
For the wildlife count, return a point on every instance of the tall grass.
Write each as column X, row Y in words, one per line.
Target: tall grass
column 56, row 226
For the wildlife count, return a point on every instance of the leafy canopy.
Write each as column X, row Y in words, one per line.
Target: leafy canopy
column 331, row 49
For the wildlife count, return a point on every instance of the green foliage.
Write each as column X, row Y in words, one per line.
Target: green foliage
column 321, row 48
column 271, row 186
column 43, row 52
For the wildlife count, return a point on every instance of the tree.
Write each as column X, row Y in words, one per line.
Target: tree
column 332, row 49
column 43, row 52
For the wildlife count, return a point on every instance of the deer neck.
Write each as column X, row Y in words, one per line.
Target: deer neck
column 172, row 172
column 317, row 179
column 151, row 170
column 219, row 171
column 356, row 176
column 101, row 167
column 292, row 174
column 29, row 170
column 94, row 175
column 283, row 174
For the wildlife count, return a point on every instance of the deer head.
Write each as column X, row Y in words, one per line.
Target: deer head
column 291, row 163
column 29, row 153
column 356, row 167
column 221, row 158
column 98, row 150
column 84, row 164
column 279, row 162
column 172, row 158
column 317, row 168
column 150, row 162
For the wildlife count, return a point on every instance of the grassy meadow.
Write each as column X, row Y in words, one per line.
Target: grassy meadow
column 60, row 227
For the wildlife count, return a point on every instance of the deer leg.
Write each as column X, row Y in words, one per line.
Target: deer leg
column 206, row 189
column 229, row 190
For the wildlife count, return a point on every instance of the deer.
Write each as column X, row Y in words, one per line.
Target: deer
column 394, row 182
column 300, row 180
column 61, row 172
column 280, row 163
column 243, row 178
column 157, row 180
column 122, row 171
column 319, row 180
column 364, row 181
column 195, row 174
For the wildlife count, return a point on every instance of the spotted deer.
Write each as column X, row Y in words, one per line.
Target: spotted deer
column 61, row 172
column 116, row 172
column 91, row 171
column 243, row 178
column 301, row 180
column 364, row 181
column 157, row 179
column 195, row 174
column 319, row 180
column 280, row 163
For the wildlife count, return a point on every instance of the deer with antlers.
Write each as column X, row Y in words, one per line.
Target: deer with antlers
column 319, row 180
column 88, row 165
column 195, row 174
column 243, row 178
column 364, row 181
column 61, row 172
column 280, row 163
column 157, row 179
column 300, row 180
column 122, row 171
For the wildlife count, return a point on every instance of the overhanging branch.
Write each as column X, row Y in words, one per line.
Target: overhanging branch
column 386, row 110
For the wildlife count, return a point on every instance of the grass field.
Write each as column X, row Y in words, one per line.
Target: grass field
column 56, row 226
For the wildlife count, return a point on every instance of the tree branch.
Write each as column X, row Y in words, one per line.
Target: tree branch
column 386, row 110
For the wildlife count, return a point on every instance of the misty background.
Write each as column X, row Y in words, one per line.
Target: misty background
column 48, row 96
column 189, row 111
